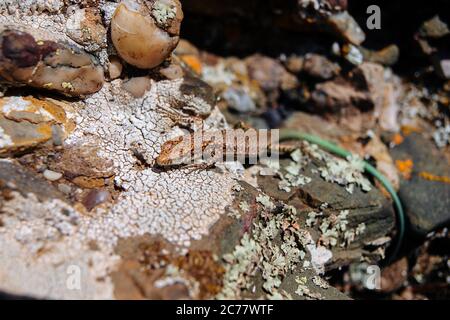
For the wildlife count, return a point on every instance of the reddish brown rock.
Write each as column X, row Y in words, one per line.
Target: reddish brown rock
column 25, row 61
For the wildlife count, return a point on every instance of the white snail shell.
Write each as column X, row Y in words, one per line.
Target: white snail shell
column 145, row 33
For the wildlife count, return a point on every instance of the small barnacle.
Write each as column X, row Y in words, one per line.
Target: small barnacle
column 145, row 33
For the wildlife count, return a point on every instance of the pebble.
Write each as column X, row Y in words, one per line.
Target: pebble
column 52, row 175
column 96, row 197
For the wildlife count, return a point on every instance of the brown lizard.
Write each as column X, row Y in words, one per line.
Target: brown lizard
column 207, row 147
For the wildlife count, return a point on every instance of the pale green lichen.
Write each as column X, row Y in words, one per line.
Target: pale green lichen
column 244, row 206
column 274, row 249
column 5, row 140
column 334, row 228
column 293, row 177
column 265, row 201
column 163, row 12
column 304, row 291
column 68, row 85
column 346, row 173
column 173, row 275
column 233, row 213
column 320, row 282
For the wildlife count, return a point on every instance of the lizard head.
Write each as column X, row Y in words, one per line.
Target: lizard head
column 176, row 152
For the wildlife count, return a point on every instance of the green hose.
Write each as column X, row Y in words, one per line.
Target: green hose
column 286, row 134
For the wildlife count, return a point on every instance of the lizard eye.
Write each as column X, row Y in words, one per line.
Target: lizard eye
column 145, row 33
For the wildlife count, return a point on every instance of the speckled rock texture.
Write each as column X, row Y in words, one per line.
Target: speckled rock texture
column 86, row 214
column 42, row 238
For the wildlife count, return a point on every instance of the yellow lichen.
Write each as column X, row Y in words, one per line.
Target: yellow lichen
column 432, row 177
column 405, row 167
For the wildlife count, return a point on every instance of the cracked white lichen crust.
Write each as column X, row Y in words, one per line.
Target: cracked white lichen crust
column 44, row 255
column 179, row 204
column 42, row 243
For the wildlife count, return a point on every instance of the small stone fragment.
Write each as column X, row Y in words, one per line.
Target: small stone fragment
column 334, row 95
column 346, row 26
column 85, row 27
column 320, row 67
column 115, row 68
column 52, row 175
column 434, row 28
column 172, row 72
column 96, row 197
column 137, row 86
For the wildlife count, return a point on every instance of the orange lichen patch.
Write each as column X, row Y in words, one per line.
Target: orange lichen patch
column 407, row 130
column 27, row 122
column 199, row 265
column 32, row 110
column 89, row 182
column 145, row 261
column 192, row 62
column 405, row 167
column 432, row 177
column 204, row 269
column 397, row 139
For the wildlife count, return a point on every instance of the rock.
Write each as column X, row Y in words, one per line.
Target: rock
column 17, row 178
column 52, row 175
column 346, row 27
column 294, row 64
column 332, row 96
column 137, row 86
column 115, row 68
column 394, row 276
column 269, row 73
column 148, row 262
column 95, row 198
column 172, row 71
column 239, row 100
column 384, row 91
column 432, row 38
column 252, row 269
column 425, row 196
column 48, row 65
column 387, row 56
column 434, row 28
column 27, row 122
column 349, row 52
column 362, row 207
column 82, row 165
column 85, row 27
column 442, row 66
column 348, row 139
column 320, row 67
